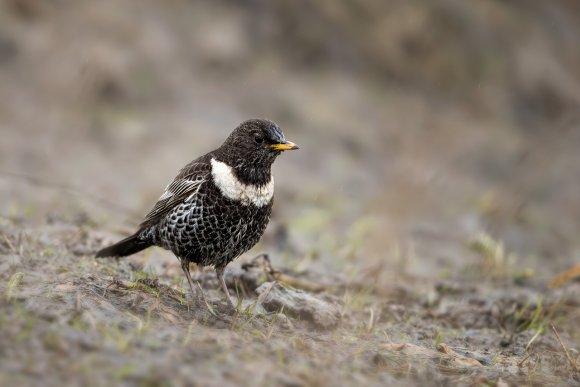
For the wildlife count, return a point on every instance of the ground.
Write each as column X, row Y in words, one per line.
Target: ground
column 71, row 319
column 417, row 237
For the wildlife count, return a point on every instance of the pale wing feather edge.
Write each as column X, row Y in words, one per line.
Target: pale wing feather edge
column 181, row 189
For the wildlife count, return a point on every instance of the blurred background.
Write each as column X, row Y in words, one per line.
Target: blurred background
column 421, row 124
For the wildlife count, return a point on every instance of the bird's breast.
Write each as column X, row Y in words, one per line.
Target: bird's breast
column 232, row 188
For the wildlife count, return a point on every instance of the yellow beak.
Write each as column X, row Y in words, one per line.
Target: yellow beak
column 288, row 145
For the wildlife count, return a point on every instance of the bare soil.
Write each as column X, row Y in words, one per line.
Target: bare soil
column 70, row 319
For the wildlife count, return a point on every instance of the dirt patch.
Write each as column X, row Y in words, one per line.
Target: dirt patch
column 68, row 318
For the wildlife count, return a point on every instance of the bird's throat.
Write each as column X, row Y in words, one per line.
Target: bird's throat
column 243, row 184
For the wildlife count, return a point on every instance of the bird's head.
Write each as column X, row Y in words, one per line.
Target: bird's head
column 252, row 148
column 256, row 142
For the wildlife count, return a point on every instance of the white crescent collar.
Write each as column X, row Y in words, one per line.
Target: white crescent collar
column 232, row 188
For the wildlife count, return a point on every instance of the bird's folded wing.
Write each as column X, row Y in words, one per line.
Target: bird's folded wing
column 183, row 188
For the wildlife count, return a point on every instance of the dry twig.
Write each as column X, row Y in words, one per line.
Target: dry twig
column 572, row 362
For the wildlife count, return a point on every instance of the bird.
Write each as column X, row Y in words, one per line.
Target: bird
column 218, row 205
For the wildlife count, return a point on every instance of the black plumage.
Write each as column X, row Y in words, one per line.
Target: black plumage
column 218, row 206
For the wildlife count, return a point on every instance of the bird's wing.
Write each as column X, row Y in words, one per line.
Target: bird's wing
column 184, row 187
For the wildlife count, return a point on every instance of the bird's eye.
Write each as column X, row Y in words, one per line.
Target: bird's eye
column 259, row 139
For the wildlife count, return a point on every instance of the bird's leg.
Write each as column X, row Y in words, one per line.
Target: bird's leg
column 220, row 275
column 185, row 268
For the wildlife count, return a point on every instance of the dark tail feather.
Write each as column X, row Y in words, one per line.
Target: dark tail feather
column 127, row 246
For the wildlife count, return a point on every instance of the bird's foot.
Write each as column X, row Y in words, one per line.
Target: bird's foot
column 233, row 302
column 196, row 298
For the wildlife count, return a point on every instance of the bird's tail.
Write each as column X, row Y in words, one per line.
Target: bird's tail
column 127, row 246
